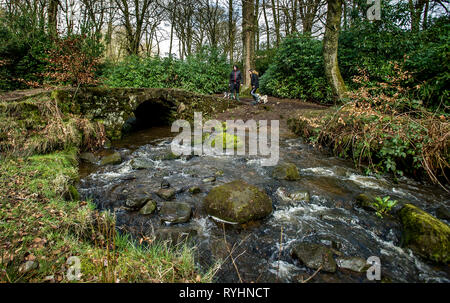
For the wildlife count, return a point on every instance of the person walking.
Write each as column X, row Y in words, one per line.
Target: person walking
column 255, row 85
column 235, row 82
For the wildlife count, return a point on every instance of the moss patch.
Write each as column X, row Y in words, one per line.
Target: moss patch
column 426, row 235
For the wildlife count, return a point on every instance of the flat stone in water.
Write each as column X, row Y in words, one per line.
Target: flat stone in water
column 175, row 212
column 194, row 190
column 296, row 196
column 209, row 179
column 148, row 208
column 166, row 193
column 89, row 157
column 314, row 256
column 137, row 201
column 141, row 163
column 175, row 234
column 114, row 158
column 355, row 264
column 286, row 171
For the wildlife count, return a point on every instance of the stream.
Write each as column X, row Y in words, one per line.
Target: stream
column 263, row 249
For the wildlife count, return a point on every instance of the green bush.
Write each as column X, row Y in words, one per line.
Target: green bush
column 22, row 53
column 297, row 71
column 264, row 58
column 205, row 72
column 373, row 46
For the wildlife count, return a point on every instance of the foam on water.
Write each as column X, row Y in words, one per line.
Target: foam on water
column 283, row 269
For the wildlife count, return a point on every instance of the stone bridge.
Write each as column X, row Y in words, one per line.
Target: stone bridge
column 121, row 109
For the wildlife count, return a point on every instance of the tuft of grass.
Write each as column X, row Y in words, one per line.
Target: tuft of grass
column 37, row 125
column 37, row 223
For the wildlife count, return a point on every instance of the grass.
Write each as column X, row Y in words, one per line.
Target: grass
column 37, row 125
column 38, row 223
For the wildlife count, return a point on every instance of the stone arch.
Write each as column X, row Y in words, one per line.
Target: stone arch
column 115, row 106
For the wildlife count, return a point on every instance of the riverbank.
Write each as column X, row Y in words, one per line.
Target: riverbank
column 43, row 222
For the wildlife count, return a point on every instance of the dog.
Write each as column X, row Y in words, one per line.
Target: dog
column 264, row 99
column 227, row 95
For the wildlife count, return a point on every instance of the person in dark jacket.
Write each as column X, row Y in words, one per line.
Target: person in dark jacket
column 255, row 85
column 235, row 82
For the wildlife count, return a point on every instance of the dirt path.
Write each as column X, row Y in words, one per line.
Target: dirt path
column 274, row 109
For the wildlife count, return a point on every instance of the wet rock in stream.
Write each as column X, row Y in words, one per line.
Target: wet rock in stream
column 286, row 171
column 114, row 158
column 166, row 193
column 141, row 163
column 175, row 234
column 292, row 197
column 175, row 212
column 238, row 201
column 89, row 158
column 148, row 208
column 366, row 201
column 355, row 264
column 194, row 190
column 315, row 256
column 137, row 200
column 426, row 235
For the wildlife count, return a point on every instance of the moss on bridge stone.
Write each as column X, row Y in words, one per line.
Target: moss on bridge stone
column 113, row 106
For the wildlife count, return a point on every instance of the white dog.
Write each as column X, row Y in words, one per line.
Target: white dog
column 264, row 99
column 227, row 95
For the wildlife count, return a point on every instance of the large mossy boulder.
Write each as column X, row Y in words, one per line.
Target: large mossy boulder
column 238, row 202
column 286, row 171
column 424, row 234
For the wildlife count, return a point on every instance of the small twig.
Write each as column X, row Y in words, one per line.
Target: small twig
column 313, row 275
column 230, row 252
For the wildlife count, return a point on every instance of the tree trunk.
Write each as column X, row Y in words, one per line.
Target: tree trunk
column 330, row 49
column 294, row 16
column 248, row 37
column 267, row 24
column 231, row 30
column 276, row 21
column 172, row 25
column 257, row 25
column 308, row 11
column 416, row 12
column 53, row 16
column 425, row 15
